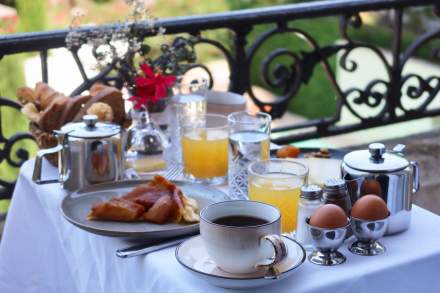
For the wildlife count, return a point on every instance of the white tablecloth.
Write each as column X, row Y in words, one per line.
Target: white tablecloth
column 41, row 252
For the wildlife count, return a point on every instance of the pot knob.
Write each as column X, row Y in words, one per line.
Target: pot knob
column 377, row 150
column 90, row 120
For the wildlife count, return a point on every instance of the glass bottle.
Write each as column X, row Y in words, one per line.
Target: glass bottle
column 310, row 200
column 335, row 192
column 145, row 144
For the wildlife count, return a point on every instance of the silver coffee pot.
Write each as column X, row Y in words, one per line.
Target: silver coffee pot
column 90, row 152
column 386, row 173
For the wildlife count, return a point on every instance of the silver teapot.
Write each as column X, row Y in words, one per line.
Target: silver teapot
column 386, row 173
column 90, row 152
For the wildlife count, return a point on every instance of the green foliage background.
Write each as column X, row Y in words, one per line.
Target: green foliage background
column 32, row 15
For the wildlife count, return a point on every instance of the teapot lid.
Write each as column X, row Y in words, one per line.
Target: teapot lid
column 91, row 128
column 375, row 159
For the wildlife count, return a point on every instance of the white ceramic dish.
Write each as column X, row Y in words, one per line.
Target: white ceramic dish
column 76, row 206
column 224, row 103
column 192, row 255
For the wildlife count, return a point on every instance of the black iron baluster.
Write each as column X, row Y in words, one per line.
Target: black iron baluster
column 44, row 69
column 396, row 68
column 240, row 73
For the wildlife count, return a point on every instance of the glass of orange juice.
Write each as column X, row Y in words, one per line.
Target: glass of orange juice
column 205, row 148
column 278, row 182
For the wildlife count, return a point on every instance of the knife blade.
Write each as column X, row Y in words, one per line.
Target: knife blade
column 143, row 249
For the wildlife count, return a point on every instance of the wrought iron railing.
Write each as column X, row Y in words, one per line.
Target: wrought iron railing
column 382, row 95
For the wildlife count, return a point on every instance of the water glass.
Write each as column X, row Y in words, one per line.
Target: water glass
column 205, row 149
column 249, row 138
column 278, row 182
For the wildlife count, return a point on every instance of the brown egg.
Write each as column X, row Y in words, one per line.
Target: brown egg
column 329, row 216
column 370, row 207
column 371, row 186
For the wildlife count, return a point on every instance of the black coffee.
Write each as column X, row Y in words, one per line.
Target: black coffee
column 240, row 221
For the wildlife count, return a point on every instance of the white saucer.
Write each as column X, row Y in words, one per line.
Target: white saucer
column 192, row 255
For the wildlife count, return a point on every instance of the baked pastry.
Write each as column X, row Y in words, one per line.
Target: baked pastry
column 26, row 95
column 45, row 94
column 159, row 201
column 103, row 111
column 51, row 117
column 116, row 210
column 96, row 88
column 31, row 111
column 288, row 151
column 323, row 153
column 112, row 97
column 73, row 106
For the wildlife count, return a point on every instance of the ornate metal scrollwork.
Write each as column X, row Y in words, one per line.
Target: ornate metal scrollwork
column 424, row 87
column 287, row 79
column 9, row 151
column 370, row 96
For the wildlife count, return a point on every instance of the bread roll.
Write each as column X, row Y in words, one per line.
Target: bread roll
column 103, row 111
column 73, row 106
column 51, row 118
column 110, row 96
column 31, row 112
column 96, row 88
column 26, row 95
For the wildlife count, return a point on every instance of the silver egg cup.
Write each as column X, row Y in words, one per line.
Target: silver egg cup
column 326, row 243
column 367, row 234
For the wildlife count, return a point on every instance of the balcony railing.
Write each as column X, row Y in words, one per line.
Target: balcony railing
column 384, row 96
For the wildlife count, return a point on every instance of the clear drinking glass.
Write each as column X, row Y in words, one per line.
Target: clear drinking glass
column 205, row 149
column 191, row 94
column 278, row 182
column 249, row 137
column 187, row 105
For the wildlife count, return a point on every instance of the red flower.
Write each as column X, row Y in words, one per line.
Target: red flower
column 150, row 87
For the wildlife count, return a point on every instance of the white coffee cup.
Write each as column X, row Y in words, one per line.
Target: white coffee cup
column 242, row 249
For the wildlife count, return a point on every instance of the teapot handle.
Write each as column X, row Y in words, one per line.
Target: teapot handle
column 36, row 177
column 63, row 160
column 416, row 176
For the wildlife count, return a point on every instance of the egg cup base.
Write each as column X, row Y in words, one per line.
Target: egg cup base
column 367, row 248
column 328, row 258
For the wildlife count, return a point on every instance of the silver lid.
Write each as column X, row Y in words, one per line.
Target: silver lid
column 311, row 191
column 334, row 183
column 91, row 128
column 375, row 159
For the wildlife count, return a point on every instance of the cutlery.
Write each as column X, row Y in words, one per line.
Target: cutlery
column 143, row 249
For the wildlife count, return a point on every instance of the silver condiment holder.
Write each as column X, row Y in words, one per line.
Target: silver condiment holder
column 326, row 243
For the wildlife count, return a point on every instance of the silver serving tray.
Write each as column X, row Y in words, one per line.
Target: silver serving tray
column 76, row 206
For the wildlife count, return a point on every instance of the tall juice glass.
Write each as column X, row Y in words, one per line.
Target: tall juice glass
column 187, row 104
column 205, row 149
column 249, row 137
column 278, row 183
